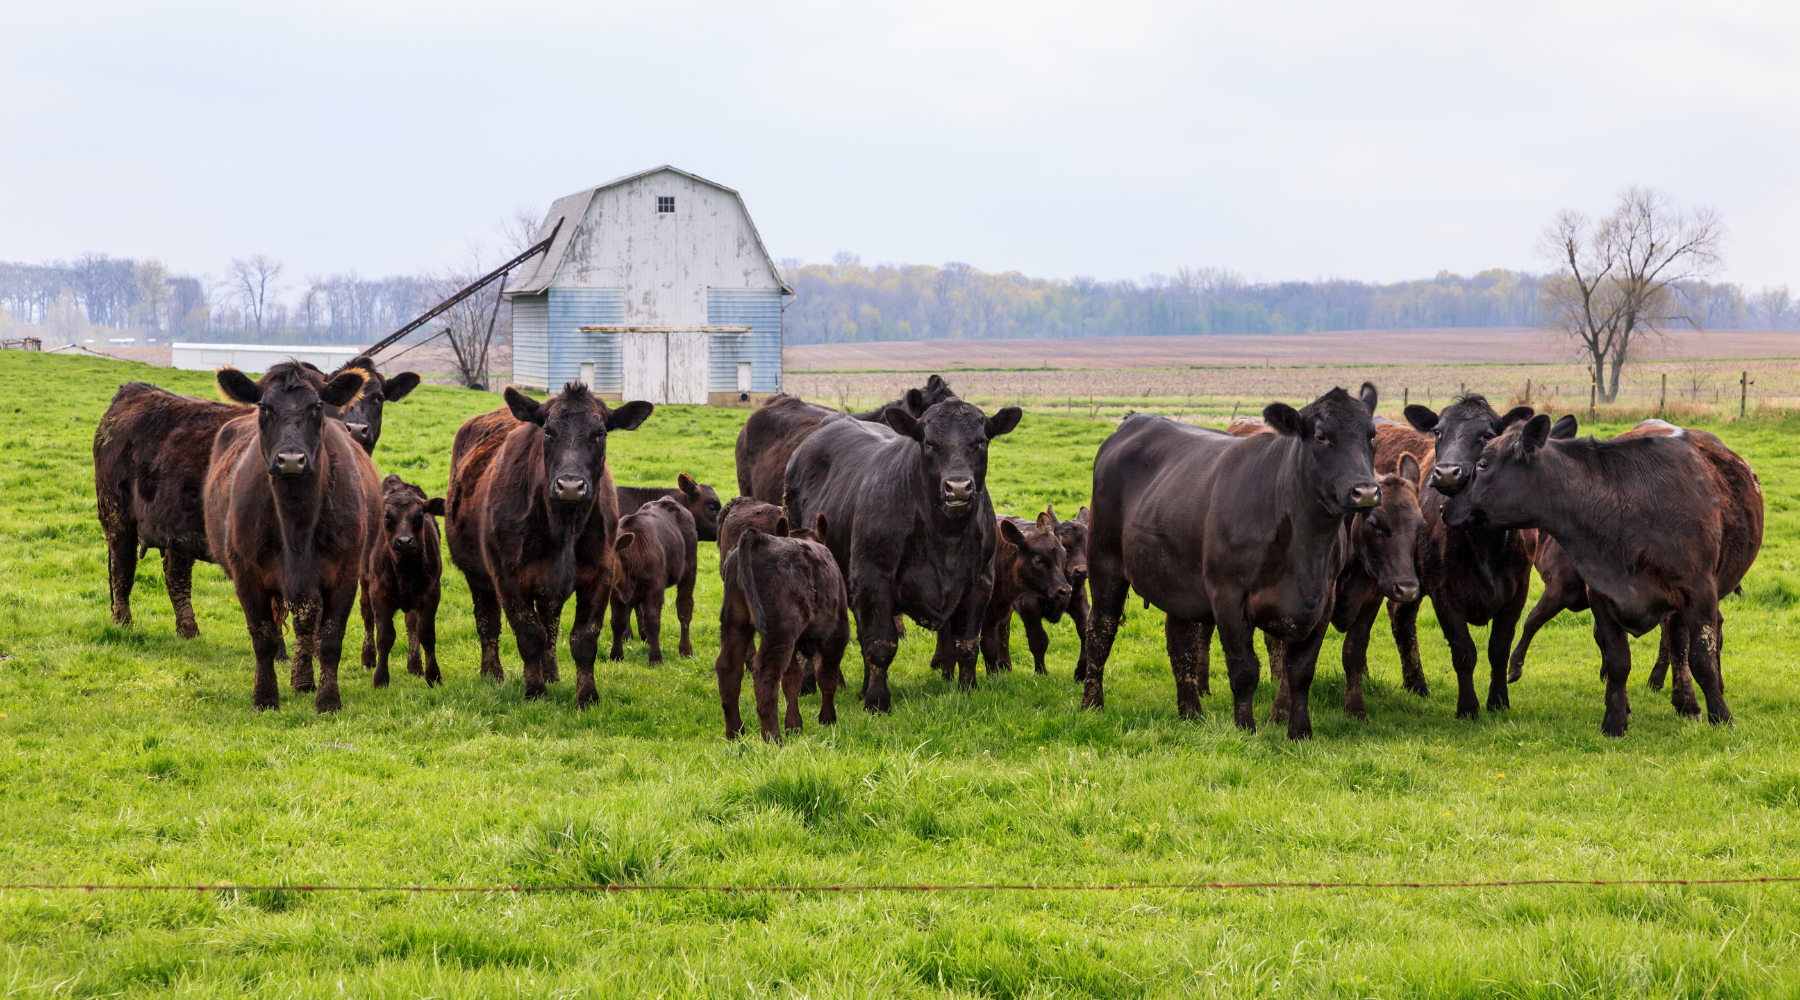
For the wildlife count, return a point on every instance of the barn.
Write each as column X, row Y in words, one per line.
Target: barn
column 656, row 287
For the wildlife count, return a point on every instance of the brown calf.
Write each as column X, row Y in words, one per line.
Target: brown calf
column 701, row 500
column 405, row 565
column 290, row 501
column 1074, row 537
column 657, row 550
column 1029, row 562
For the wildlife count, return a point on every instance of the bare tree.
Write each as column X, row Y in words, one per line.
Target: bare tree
column 520, row 229
column 1615, row 278
column 253, row 281
column 1774, row 307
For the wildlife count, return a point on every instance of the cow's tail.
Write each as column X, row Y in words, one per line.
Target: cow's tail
column 747, row 579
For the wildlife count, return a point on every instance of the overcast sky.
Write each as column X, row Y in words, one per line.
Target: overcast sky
column 1377, row 141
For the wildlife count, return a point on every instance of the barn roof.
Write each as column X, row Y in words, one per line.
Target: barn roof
column 535, row 275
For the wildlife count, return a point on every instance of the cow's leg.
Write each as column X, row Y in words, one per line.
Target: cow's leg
column 790, row 689
column 943, row 655
column 265, row 638
column 278, row 610
column 1499, row 646
column 528, row 634
column 584, row 641
column 684, row 610
column 334, row 617
column 1463, row 656
column 1182, row 640
column 368, row 618
column 487, row 624
column 1615, row 666
column 876, row 634
column 422, row 628
column 1282, row 704
column 1665, row 646
column 737, row 641
column 1704, row 643
column 830, row 672
column 550, row 613
column 1549, row 604
column 1203, row 655
column 774, row 658
column 1356, row 657
column 1675, row 646
column 996, row 642
column 1108, row 589
column 121, row 557
column 1404, row 620
column 414, row 664
column 306, row 642
column 384, row 643
column 965, row 630
column 652, row 625
column 621, row 625
column 1238, row 638
column 178, row 577
column 1037, row 639
column 1300, row 659
column 1078, row 614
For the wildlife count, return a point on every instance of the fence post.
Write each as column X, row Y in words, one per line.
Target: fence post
column 1662, row 400
column 1527, row 392
column 1743, row 393
column 1404, row 392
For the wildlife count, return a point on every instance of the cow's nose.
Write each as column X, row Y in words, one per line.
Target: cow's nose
column 1365, row 495
column 1447, row 476
column 1406, row 593
column 1064, row 591
column 403, row 541
column 570, row 489
column 290, row 463
column 959, row 489
column 360, row 430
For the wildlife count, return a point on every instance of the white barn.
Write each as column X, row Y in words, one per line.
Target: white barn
column 657, row 287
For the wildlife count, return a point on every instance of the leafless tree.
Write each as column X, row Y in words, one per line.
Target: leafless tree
column 520, row 229
column 1615, row 277
column 1774, row 307
column 253, row 281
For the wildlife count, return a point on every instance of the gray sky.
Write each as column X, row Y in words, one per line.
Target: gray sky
column 1286, row 140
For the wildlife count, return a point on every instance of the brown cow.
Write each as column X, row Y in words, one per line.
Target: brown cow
column 1033, row 612
column 701, row 500
column 657, row 550
column 405, row 565
column 1741, row 540
column 1029, row 562
column 290, row 501
column 531, row 515
column 784, row 595
column 769, row 437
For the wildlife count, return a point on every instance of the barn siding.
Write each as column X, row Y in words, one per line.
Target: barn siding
column 760, row 310
column 531, row 341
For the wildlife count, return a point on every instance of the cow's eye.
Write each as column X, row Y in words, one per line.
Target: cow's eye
column 549, row 434
column 597, row 435
column 1489, row 436
column 1481, row 466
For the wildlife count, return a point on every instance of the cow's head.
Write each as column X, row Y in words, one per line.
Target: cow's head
column 953, row 441
column 1461, row 431
column 1510, row 480
column 406, row 516
column 1074, row 537
column 702, row 501
column 1386, row 538
column 574, row 428
column 363, row 417
column 1337, row 444
column 290, row 403
column 1042, row 566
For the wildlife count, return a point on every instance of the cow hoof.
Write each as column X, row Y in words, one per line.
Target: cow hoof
column 1513, row 675
column 1418, row 686
column 434, row 680
column 186, row 632
column 1357, row 712
column 534, row 691
column 1499, row 704
column 687, row 650
column 330, row 704
column 306, row 687
column 586, row 698
column 381, row 681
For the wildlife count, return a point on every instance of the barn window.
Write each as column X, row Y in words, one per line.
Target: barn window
column 665, row 204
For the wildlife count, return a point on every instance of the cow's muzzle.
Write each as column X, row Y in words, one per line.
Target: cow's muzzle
column 358, row 431
column 1449, row 478
column 290, row 463
column 1405, row 593
column 570, row 489
column 958, row 493
column 405, row 543
column 1365, row 495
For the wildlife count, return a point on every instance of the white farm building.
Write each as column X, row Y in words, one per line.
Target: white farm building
column 657, row 287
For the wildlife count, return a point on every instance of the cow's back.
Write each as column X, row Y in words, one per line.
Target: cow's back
column 768, row 440
column 841, row 469
column 1738, row 494
column 152, row 449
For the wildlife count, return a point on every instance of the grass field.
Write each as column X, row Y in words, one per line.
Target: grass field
column 128, row 755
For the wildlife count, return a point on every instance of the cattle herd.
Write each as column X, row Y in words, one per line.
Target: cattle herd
column 1289, row 525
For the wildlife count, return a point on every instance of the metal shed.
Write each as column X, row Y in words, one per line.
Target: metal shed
column 656, row 287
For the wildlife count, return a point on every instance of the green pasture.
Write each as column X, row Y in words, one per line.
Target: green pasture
column 129, row 755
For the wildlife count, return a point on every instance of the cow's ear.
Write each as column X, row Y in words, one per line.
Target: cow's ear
column 630, row 417
column 435, row 506
column 820, row 524
column 1535, row 432
column 237, row 387
column 1047, row 521
column 343, row 388
column 396, row 388
column 1050, row 509
column 1513, row 416
column 624, row 541
column 903, row 423
column 688, row 485
column 1369, row 395
column 524, row 409
column 1564, row 429
column 1004, row 421
column 1011, row 532
column 1086, row 516
column 781, row 527
column 1408, row 468
column 915, row 402
column 1421, row 418
column 1284, row 418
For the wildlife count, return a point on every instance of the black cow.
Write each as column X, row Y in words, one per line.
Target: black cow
column 363, row 417
column 1241, row 533
column 911, row 525
column 769, row 437
column 1643, row 563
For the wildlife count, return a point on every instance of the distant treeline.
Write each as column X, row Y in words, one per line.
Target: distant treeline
column 846, row 301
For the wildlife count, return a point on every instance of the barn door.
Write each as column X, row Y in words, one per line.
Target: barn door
column 646, row 366
column 688, row 374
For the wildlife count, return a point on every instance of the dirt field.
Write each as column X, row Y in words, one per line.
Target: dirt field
column 1354, row 347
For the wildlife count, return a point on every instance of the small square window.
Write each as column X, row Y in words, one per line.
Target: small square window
column 665, row 204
